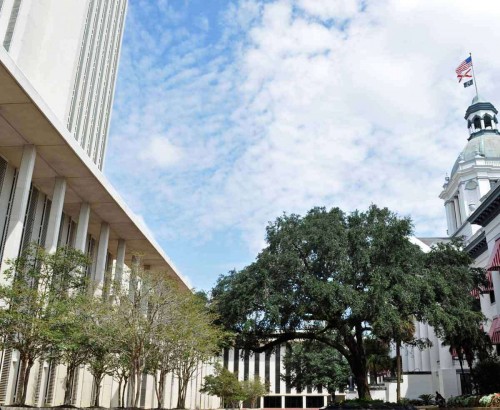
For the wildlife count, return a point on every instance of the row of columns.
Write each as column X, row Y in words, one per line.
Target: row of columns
column 18, row 211
column 454, row 214
column 428, row 359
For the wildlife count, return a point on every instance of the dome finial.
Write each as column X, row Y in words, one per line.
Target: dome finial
column 477, row 99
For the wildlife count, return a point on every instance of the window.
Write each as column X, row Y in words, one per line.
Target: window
column 492, row 296
column 487, row 122
column 477, row 123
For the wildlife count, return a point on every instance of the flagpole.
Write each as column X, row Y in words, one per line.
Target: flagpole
column 474, row 75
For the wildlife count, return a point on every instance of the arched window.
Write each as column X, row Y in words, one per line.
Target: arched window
column 487, row 122
column 477, row 123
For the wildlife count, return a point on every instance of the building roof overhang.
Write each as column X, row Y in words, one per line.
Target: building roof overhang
column 26, row 119
column 477, row 246
column 489, row 208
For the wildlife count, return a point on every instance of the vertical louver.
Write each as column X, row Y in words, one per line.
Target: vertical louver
column 51, row 382
column 29, row 218
column 95, row 78
column 7, row 215
column 12, row 24
column 4, row 374
column 38, row 384
column 144, row 386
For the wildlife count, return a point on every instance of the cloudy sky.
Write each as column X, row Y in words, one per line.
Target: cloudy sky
column 231, row 112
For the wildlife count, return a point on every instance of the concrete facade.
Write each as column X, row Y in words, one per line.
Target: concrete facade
column 53, row 129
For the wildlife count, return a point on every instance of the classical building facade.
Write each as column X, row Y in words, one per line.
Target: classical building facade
column 471, row 196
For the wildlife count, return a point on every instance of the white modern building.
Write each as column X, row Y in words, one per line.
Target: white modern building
column 58, row 65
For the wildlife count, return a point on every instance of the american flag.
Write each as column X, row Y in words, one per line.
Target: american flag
column 464, row 69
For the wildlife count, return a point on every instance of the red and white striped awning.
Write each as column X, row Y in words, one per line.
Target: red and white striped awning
column 495, row 331
column 494, row 263
column 484, row 289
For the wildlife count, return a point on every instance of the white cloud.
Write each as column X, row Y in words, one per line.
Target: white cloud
column 288, row 111
column 161, row 152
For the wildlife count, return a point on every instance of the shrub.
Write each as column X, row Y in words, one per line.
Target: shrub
column 426, row 399
column 485, row 375
column 466, row 400
column 490, row 400
column 359, row 404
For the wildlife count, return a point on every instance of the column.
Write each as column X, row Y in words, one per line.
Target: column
column 19, row 204
column 102, row 251
column 445, row 359
column 411, row 357
column 457, row 212
column 434, row 353
column 55, row 215
column 495, row 278
column 450, row 217
column 120, row 263
column 426, row 353
column 462, row 201
column 416, row 351
column 404, row 358
column 83, row 226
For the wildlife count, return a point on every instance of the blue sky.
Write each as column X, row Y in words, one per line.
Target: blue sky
column 229, row 112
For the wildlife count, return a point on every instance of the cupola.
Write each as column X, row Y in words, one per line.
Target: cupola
column 481, row 118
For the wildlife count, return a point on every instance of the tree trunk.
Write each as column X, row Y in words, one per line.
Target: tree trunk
column 125, row 380
column 120, row 392
column 357, row 362
column 97, row 391
column 70, row 375
column 398, row 371
column 131, row 389
column 138, row 382
column 181, row 401
column 25, row 365
column 161, row 388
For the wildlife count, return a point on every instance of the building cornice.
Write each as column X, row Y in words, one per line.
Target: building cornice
column 31, row 121
column 477, row 246
column 489, row 208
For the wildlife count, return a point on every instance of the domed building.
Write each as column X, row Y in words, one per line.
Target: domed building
column 476, row 169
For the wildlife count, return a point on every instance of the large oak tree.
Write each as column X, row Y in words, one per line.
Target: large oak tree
column 335, row 278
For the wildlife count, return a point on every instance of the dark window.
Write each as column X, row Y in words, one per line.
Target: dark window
column 293, row 402
column 257, row 365
column 314, row 401
column 492, row 296
column 267, row 370
column 277, row 373
column 272, row 402
column 246, row 364
column 287, row 370
column 320, row 389
column 236, row 361
column 487, row 122
column 477, row 123
column 226, row 358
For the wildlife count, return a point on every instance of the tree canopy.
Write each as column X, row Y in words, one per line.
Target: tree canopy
column 310, row 364
column 336, row 278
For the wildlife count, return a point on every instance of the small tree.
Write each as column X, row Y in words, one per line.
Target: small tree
column 310, row 364
column 39, row 292
column 141, row 314
column 254, row 389
column 225, row 385
column 101, row 328
column 196, row 340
